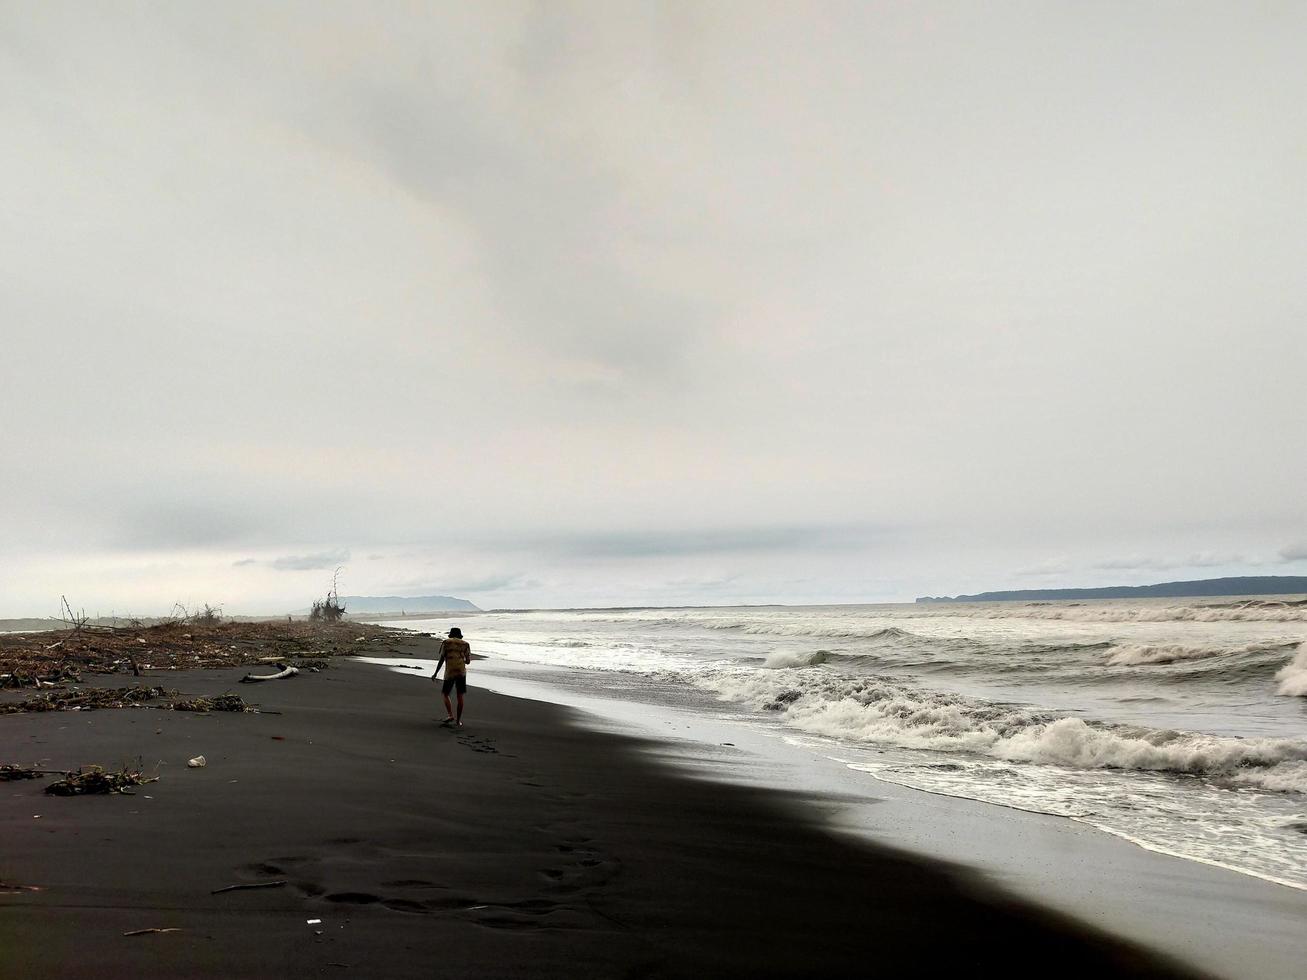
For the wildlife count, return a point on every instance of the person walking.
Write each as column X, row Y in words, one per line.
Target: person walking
column 455, row 655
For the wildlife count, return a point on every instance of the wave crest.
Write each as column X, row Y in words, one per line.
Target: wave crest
column 887, row 711
column 782, row 659
column 1138, row 654
column 1293, row 676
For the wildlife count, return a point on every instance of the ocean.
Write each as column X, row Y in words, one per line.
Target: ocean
column 1176, row 724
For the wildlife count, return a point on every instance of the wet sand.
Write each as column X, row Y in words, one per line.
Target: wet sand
column 522, row 845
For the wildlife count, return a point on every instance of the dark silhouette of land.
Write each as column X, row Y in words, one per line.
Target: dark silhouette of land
column 1243, row 585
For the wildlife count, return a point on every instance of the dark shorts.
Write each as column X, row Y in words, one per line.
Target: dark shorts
column 451, row 682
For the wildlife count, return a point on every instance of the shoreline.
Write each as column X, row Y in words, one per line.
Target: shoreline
column 524, row 844
column 1222, row 920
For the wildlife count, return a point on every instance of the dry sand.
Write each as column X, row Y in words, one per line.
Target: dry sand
column 523, row 845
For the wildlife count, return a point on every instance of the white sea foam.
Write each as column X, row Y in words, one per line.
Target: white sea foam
column 1293, row 676
column 1287, row 777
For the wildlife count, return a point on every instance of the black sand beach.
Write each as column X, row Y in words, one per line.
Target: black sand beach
column 522, row 845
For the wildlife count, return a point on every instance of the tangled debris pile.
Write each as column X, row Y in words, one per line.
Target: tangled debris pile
column 20, row 678
column 90, row 698
column 46, row 659
column 93, row 779
column 86, row 699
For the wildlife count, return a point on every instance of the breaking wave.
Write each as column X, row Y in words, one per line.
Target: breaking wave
column 1133, row 654
column 888, row 711
column 780, row 660
column 1293, row 676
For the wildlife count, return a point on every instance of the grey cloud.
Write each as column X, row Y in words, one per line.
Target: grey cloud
column 543, row 222
column 177, row 523
column 461, row 587
column 709, row 541
column 1130, row 564
column 1050, row 566
column 1294, row 552
column 304, row 563
column 240, row 563
column 1199, row 560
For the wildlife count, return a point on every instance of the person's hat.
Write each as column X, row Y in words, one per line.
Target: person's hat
column 456, row 633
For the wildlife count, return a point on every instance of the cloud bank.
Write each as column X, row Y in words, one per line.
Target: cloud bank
column 664, row 302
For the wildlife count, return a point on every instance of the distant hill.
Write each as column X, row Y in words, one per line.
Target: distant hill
column 1239, row 585
column 356, row 604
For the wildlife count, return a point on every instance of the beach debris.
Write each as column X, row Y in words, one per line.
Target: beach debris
column 247, row 887
column 92, row 780
column 286, row 671
column 14, row 772
column 199, row 762
column 313, row 922
column 152, row 932
column 87, row 699
column 38, row 678
column 223, row 702
column 60, row 656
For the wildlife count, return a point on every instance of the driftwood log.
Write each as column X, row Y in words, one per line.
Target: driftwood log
column 285, row 672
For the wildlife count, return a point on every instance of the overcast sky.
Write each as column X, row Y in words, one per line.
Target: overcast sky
column 622, row 303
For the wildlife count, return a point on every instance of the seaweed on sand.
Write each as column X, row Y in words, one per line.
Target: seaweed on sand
column 94, row 780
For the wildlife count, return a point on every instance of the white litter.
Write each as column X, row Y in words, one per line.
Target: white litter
column 197, row 763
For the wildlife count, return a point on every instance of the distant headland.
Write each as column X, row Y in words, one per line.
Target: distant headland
column 1238, row 585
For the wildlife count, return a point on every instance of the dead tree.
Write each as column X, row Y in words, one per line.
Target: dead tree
column 328, row 610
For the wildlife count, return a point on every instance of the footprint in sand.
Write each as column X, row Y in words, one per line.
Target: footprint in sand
column 478, row 744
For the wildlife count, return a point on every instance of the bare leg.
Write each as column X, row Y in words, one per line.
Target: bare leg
column 460, row 707
column 449, row 708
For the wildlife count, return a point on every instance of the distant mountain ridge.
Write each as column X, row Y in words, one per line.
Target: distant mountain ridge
column 355, row 604
column 1236, row 586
